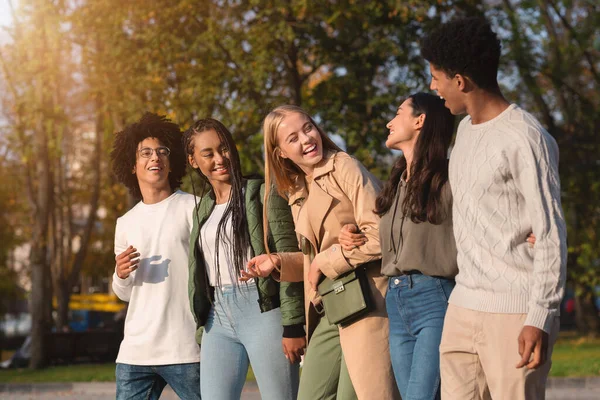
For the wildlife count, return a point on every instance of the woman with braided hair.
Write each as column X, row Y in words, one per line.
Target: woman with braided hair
column 239, row 324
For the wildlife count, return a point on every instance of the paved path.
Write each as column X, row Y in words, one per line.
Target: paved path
column 558, row 389
column 91, row 391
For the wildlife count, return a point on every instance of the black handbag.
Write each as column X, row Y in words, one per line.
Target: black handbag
column 346, row 298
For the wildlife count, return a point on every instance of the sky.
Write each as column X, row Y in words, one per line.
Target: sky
column 5, row 19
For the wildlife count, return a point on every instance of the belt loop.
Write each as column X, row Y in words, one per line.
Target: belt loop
column 410, row 281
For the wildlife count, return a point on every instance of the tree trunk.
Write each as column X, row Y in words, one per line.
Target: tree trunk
column 38, row 258
column 79, row 259
column 40, row 269
column 63, row 295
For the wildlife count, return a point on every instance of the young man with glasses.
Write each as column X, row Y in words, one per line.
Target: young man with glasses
column 151, row 247
column 502, row 320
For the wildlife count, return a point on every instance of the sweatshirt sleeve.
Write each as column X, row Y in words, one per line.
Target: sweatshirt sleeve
column 533, row 164
column 361, row 188
column 121, row 287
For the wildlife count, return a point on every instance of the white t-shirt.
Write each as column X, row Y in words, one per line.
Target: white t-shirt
column 159, row 327
column 207, row 240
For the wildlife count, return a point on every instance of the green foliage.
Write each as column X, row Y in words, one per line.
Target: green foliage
column 347, row 62
column 550, row 48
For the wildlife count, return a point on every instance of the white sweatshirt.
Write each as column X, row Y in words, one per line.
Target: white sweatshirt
column 159, row 327
column 505, row 184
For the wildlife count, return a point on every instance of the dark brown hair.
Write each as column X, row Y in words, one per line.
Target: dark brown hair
column 429, row 169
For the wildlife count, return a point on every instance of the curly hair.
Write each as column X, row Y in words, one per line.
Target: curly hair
column 465, row 46
column 124, row 152
column 429, row 168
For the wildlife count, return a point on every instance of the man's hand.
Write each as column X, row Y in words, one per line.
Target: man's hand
column 127, row 262
column 293, row 348
column 260, row 266
column 532, row 341
column 350, row 237
column 314, row 275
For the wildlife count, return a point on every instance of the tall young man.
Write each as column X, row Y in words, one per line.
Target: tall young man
column 502, row 320
column 151, row 247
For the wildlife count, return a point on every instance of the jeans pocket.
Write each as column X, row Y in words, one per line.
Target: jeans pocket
column 445, row 287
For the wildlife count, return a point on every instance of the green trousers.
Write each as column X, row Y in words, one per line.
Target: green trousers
column 324, row 373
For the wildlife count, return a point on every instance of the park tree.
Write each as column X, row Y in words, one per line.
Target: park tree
column 39, row 70
column 12, row 229
column 31, row 85
column 76, row 72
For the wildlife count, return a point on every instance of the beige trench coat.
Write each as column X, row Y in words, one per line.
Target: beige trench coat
column 344, row 192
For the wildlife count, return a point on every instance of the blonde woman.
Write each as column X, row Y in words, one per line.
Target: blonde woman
column 326, row 189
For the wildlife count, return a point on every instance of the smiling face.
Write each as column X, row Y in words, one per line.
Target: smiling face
column 211, row 156
column 152, row 172
column 299, row 140
column 448, row 88
column 404, row 128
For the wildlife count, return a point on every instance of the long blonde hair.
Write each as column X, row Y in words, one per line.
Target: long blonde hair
column 279, row 171
column 282, row 172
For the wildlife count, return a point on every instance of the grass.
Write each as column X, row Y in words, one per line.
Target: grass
column 68, row 373
column 576, row 357
column 572, row 357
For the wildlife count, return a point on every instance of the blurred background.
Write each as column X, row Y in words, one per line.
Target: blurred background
column 73, row 72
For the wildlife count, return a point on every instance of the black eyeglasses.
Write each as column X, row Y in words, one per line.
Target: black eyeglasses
column 162, row 151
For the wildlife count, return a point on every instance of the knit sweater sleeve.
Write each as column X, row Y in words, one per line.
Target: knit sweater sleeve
column 533, row 163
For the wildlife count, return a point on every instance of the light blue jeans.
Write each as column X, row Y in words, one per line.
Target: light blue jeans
column 144, row 382
column 237, row 334
column 416, row 306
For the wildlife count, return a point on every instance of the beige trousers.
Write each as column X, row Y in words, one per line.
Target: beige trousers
column 365, row 345
column 478, row 355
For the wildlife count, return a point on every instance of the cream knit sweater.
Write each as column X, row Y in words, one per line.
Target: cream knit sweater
column 505, row 184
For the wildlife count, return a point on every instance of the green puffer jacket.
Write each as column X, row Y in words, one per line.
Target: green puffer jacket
column 282, row 238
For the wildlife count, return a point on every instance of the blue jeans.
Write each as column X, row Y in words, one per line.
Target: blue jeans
column 237, row 334
column 147, row 382
column 416, row 306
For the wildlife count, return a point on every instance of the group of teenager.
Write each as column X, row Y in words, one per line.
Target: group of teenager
column 464, row 257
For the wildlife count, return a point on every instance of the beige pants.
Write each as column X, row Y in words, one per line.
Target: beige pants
column 478, row 355
column 365, row 345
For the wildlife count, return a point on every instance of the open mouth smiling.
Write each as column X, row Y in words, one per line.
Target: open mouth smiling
column 310, row 149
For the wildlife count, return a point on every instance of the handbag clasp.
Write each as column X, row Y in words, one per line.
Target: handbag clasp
column 338, row 287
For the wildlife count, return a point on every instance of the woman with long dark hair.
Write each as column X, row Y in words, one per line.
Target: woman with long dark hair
column 240, row 323
column 417, row 242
